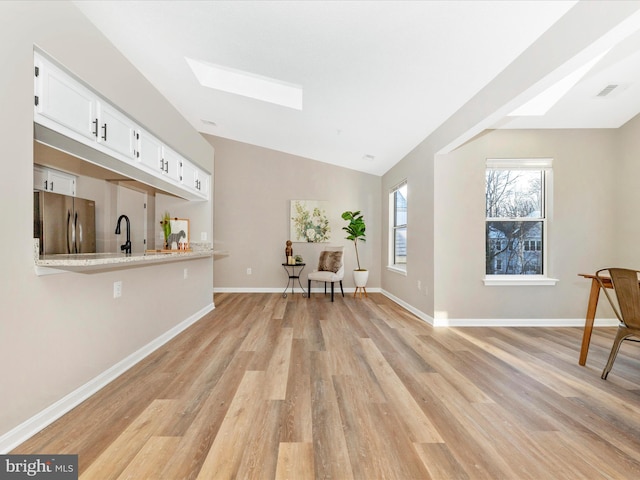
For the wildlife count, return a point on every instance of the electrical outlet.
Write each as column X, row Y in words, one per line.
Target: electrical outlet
column 419, row 285
column 186, row 273
column 249, row 271
column 203, row 236
column 117, row 289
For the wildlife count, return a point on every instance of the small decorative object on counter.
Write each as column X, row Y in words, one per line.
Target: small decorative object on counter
column 166, row 228
column 298, row 259
column 177, row 239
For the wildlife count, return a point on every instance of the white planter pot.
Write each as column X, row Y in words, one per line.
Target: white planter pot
column 360, row 277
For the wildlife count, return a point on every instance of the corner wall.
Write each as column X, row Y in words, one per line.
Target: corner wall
column 418, row 169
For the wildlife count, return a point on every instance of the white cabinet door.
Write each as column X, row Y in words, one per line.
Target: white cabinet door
column 40, row 178
column 195, row 179
column 189, row 175
column 116, row 131
column 63, row 183
column 54, row 181
column 171, row 164
column 204, row 182
column 158, row 158
column 149, row 153
column 63, row 100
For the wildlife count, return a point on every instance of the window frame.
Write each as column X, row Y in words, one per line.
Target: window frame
column 393, row 227
column 545, row 165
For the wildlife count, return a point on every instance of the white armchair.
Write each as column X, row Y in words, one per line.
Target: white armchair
column 330, row 269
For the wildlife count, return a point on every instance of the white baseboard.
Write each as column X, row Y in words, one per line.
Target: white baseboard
column 521, row 322
column 500, row 322
column 281, row 290
column 27, row 429
column 418, row 313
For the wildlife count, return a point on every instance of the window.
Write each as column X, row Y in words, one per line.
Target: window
column 398, row 231
column 516, row 192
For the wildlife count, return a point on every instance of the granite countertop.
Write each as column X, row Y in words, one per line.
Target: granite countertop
column 91, row 262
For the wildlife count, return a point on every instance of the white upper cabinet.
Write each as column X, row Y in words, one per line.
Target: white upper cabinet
column 116, row 131
column 55, row 181
column 195, row 179
column 63, row 100
column 158, row 158
column 149, row 154
column 172, row 163
column 65, row 105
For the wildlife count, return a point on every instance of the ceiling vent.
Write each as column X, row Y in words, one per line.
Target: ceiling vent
column 607, row 90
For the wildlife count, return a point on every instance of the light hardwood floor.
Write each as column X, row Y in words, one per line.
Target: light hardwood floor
column 271, row 388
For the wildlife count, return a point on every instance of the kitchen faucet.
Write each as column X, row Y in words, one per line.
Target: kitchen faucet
column 127, row 245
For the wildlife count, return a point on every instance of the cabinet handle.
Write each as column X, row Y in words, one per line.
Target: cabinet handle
column 135, row 152
column 51, row 185
column 95, row 132
column 46, row 185
column 104, row 127
column 166, row 167
column 162, row 164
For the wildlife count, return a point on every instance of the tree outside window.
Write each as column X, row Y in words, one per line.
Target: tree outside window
column 515, row 221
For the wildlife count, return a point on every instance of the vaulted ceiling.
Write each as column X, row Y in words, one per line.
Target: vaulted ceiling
column 376, row 77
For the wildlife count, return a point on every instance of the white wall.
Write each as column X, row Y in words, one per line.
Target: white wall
column 58, row 332
column 417, row 169
column 581, row 224
column 253, row 190
column 625, row 196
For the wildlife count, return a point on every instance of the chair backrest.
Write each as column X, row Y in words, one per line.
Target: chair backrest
column 627, row 289
column 335, row 248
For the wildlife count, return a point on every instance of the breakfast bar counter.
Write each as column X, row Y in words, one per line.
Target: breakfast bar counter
column 96, row 262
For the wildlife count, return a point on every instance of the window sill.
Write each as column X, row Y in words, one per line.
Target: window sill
column 397, row 269
column 518, row 280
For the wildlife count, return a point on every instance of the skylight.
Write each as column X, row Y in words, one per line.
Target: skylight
column 247, row 84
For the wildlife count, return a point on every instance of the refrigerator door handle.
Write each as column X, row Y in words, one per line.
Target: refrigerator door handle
column 69, row 234
column 75, row 237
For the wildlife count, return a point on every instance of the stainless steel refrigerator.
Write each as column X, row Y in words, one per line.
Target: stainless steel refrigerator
column 64, row 224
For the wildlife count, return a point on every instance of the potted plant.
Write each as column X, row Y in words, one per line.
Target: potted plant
column 356, row 230
column 166, row 229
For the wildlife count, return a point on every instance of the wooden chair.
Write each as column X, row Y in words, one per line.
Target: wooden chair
column 627, row 289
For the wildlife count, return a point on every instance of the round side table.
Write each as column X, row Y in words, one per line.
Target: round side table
column 291, row 273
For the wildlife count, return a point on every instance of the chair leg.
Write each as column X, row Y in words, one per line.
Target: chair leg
column 341, row 288
column 308, row 289
column 325, row 288
column 621, row 334
column 331, row 290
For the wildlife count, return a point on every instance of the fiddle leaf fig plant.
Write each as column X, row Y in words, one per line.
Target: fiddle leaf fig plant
column 356, row 230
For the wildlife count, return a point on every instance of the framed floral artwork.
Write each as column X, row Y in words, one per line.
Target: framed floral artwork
column 309, row 222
